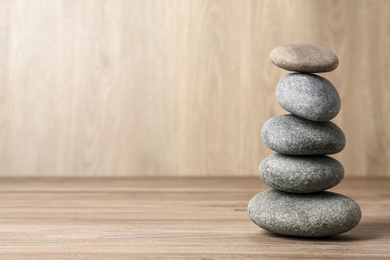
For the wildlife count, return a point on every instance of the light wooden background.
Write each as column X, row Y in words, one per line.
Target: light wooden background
column 121, row 87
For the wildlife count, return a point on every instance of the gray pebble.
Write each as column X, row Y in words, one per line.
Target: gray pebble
column 308, row 96
column 305, row 215
column 292, row 135
column 304, row 58
column 301, row 174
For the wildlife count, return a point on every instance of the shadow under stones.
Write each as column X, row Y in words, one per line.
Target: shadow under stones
column 362, row 232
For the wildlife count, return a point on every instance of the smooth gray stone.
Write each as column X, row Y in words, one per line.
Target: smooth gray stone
column 308, row 96
column 301, row 174
column 292, row 135
column 304, row 58
column 305, row 215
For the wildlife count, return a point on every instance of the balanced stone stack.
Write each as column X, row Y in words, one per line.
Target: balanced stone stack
column 300, row 171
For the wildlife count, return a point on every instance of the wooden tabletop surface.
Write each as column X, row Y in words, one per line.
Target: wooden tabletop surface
column 170, row 218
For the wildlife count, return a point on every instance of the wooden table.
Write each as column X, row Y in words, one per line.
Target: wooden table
column 170, row 218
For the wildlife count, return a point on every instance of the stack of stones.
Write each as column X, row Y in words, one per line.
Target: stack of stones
column 300, row 172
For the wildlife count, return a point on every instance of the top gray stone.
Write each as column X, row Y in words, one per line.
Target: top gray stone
column 304, row 58
column 309, row 96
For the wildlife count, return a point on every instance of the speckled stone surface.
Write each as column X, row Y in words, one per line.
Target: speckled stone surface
column 304, row 58
column 305, row 215
column 292, row 135
column 309, row 96
column 301, row 174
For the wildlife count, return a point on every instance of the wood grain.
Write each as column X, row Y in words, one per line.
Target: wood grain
column 169, row 87
column 170, row 218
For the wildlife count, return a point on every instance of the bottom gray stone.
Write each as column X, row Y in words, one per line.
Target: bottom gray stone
column 305, row 215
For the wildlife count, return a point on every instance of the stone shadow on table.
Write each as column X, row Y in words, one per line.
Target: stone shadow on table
column 362, row 232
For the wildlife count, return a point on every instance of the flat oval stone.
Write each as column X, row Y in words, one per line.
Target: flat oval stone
column 292, row 135
column 304, row 58
column 308, row 96
column 301, row 174
column 305, row 215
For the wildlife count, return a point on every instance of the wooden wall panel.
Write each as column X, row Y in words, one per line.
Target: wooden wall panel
column 126, row 88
